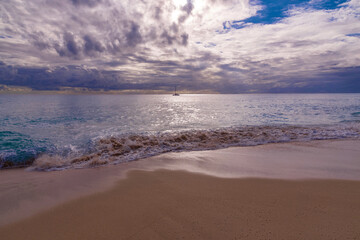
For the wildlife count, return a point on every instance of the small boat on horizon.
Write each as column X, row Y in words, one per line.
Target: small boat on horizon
column 176, row 94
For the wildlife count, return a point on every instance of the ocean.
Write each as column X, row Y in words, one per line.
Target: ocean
column 56, row 132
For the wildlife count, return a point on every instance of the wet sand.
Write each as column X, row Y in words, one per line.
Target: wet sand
column 231, row 193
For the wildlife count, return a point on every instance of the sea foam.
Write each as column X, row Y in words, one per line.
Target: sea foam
column 124, row 148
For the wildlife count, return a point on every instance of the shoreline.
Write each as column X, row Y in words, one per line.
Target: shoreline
column 131, row 147
column 28, row 195
column 31, row 167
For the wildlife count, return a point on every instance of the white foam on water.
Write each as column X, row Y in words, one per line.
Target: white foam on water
column 124, row 148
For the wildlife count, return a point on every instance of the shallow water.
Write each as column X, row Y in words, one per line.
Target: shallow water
column 76, row 130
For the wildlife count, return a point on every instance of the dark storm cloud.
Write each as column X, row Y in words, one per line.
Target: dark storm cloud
column 92, row 46
column 53, row 79
column 75, row 49
column 39, row 40
column 171, row 37
column 168, row 38
column 187, row 8
column 165, row 74
column 188, row 76
column 331, row 80
column 133, row 37
column 157, row 12
column 336, row 80
column 184, row 38
column 89, row 3
column 71, row 47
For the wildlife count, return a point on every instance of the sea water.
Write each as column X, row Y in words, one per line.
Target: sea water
column 53, row 132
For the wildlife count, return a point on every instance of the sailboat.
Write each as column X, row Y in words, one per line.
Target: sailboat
column 176, row 94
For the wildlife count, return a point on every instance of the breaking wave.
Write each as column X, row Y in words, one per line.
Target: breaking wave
column 124, row 148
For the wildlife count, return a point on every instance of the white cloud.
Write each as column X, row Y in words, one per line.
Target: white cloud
column 140, row 38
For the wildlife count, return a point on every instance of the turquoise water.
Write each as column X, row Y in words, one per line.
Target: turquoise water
column 67, row 127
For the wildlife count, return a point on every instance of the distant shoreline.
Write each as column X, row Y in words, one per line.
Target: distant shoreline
column 85, row 91
column 165, row 93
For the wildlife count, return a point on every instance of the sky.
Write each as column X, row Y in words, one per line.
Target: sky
column 224, row 46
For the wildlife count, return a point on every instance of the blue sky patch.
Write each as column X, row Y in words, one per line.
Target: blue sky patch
column 274, row 11
column 4, row 36
column 353, row 35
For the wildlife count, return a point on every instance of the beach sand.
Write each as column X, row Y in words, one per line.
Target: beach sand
column 278, row 191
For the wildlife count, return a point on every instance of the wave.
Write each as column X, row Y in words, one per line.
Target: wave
column 124, row 148
column 355, row 114
column 18, row 150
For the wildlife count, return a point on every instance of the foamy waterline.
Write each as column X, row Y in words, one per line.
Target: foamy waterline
column 124, row 148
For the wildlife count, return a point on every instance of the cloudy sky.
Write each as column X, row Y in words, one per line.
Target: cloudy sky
column 226, row 46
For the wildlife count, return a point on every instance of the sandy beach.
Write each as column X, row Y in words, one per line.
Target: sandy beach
column 308, row 190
